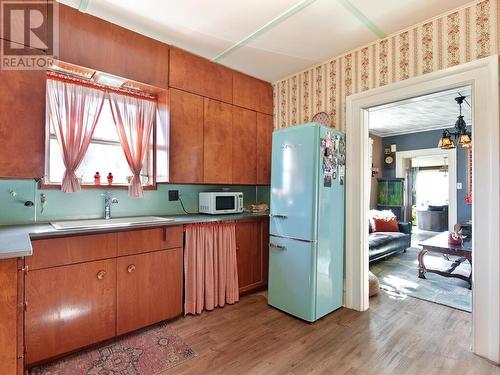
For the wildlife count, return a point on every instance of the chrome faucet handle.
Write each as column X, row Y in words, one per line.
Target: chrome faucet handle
column 114, row 200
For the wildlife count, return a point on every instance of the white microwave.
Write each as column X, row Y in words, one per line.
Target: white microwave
column 214, row 203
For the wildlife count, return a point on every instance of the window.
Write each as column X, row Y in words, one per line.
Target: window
column 104, row 155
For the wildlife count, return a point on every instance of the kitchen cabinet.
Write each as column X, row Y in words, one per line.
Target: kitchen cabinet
column 244, row 146
column 200, row 76
column 145, row 240
column 186, row 137
column 217, row 142
column 252, row 246
column 10, row 332
column 93, row 43
column 149, row 289
column 73, row 249
column 69, row 307
column 264, row 146
column 20, row 128
column 252, row 93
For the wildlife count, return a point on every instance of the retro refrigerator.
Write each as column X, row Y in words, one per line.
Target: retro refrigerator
column 306, row 251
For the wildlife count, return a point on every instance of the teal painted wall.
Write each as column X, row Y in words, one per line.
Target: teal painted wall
column 89, row 203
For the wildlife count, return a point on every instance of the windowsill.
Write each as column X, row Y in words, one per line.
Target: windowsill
column 92, row 186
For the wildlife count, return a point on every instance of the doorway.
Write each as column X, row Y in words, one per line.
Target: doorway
column 482, row 75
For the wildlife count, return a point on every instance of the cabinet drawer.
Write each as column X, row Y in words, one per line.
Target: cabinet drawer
column 142, row 241
column 69, row 307
column 69, row 250
column 149, row 289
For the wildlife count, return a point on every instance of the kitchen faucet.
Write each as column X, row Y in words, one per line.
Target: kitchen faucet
column 107, row 204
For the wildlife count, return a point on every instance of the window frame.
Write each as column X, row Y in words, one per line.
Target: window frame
column 150, row 159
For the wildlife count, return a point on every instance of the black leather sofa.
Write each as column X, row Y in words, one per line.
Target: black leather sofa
column 384, row 244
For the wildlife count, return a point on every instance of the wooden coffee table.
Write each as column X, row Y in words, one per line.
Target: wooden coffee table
column 439, row 244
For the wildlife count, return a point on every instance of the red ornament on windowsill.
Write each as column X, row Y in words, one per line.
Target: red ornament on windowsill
column 110, row 178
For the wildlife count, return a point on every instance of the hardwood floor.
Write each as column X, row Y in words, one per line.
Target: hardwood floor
column 406, row 336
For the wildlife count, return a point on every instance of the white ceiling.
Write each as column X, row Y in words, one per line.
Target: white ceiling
column 266, row 39
column 429, row 112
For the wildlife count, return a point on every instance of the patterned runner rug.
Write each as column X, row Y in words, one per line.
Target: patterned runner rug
column 398, row 275
column 146, row 352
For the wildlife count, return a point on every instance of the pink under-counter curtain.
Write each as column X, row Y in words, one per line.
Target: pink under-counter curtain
column 73, row 111
column 134, row 120
column 210, row 268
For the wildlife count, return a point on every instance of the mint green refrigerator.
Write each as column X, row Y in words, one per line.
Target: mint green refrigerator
column 306, row 254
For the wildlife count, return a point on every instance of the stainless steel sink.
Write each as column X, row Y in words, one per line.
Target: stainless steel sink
column 105, row 223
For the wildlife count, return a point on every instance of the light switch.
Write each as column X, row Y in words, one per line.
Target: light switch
column 459, row 186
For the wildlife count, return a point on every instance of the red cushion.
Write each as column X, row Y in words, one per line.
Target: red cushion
column 385, row 224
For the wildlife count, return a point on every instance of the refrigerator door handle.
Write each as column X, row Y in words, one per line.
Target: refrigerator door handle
column 275, row 246
column 279, row 216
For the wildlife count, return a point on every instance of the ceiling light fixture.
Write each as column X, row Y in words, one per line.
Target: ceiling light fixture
column 463, row 136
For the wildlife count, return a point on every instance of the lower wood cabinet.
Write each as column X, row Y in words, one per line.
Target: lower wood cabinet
column 149, row 289
column 69, row 307
column 252, row 252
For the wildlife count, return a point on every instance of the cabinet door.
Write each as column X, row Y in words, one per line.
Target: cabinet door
column 252, row 93
column 200, row 76
column 9, row 315
column 69, row 307
column 244, row 146
column 217, row 142
column 264, row 146
column 186, row 137
column 91, row 42
column 249, row 255
column 22, row 131
column 149, row 289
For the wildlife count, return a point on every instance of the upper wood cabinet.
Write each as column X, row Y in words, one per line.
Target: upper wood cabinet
column 22, row 123
column 149, row 289
column 217, row 142
column 91, row 42
column 186, row 137
column 264, row 145
column 69, row 307
column 252, row 93
column 244, row 146
column 200, row 76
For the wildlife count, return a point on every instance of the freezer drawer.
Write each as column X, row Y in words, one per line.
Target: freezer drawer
column 291, row 277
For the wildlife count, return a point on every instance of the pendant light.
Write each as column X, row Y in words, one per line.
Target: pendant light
column 464, row 137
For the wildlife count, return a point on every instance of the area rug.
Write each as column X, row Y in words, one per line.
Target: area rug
column 147, row 352
column 398, row 275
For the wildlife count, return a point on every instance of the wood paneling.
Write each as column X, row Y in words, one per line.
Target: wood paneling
column 244, row 146
column 264, row 145
column 144, row 240
column 217, row 142
column 91, row 42
column 69, row 307
column 251, row 254
column 252, row 93
column 149, row 289
column 22, row 123
column 69, row 250
column 200, row 76
column 9, row 316
column 186, row 137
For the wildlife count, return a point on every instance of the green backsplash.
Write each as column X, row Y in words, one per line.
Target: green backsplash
column 89, row 203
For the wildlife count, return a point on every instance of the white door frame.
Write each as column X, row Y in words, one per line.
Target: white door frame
column 452, row 175
column 482, row 75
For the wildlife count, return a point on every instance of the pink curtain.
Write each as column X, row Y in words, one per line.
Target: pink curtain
column 134, row 119
column 73, row 111
column 210, row 269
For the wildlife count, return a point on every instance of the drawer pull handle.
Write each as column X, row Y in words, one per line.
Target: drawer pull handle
column 101, row 274
column 131, row 268
column 275, row 246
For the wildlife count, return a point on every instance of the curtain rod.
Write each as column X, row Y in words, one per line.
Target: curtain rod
column 85, row 82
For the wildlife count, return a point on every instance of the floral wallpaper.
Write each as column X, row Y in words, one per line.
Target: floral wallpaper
column 463, row 35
